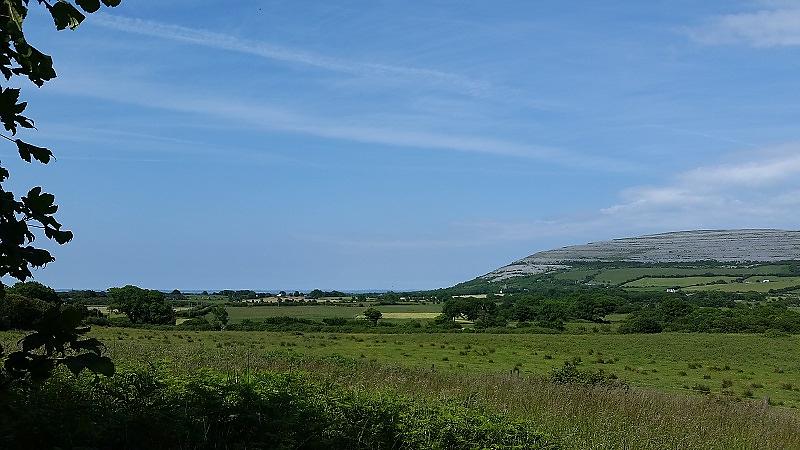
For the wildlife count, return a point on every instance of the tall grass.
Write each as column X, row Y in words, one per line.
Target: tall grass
column 580, row 416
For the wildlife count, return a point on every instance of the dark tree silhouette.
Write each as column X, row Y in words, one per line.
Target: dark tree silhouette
column 56, row 340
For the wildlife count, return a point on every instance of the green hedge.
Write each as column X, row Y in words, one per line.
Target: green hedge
column 149, row 409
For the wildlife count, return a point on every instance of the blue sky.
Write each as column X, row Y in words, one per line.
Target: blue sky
column 402, row 145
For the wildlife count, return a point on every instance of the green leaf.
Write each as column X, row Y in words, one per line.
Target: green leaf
column 40, row 367
column 40, row 203
column 26, row 150
column 101, row 364
column 89, row 6
column 91, row 344
column 60, row 236
column 33, row 341
column 111, row 3
column 74, row 364
column 66, row 16
column 70, row 318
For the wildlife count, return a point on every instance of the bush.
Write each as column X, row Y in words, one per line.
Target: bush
column 334, row 321
column 569, row 373
column 641, row 323
column 21, row 313
column 34, row 290
column 147, row 409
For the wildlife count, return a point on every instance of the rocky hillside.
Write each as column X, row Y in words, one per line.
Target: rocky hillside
column 736, row 246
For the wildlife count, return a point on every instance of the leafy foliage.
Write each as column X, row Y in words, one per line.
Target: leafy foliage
column 142, row 305
column 35, row 290
column 373, row 315
column 58, row 332
column 318, row 293
column 270, row 410
column 57, row 341
column 21, row 313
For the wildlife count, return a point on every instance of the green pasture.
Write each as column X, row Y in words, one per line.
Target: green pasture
column 677, row 282
column 347, row 311
column 622, row 275
column 752, row 284
column 575, row 274
column 731, row 365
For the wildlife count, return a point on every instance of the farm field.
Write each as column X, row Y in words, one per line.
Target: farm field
column 730, row 365
column 348, row 311
column 752, row 284
column 677, row 282
column 622, row 275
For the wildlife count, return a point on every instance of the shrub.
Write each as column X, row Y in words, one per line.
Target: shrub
column 206, row 410
column 569, row 373
column 641, row 323
column 22, row 313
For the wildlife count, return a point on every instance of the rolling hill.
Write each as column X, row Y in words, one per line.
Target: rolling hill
column 749, row 260
column 723, row 246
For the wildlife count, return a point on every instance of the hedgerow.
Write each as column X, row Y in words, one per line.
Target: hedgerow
column 153, row 409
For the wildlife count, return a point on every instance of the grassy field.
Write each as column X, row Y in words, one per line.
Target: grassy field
column 348, row 311
column 730, row 365
column 752, row 284
column 575, row 274
column 623, row 275
column 687, row 390
column 676, row 282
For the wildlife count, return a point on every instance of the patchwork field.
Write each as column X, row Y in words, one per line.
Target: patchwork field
column 623, row 275
column 753, row 284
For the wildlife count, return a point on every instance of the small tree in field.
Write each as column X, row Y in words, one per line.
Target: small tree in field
column 142, row 305
column 373, row 315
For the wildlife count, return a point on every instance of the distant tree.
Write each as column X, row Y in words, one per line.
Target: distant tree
column 315, row 294
column 373, row 315
column 641, row 323
column 35, row 290
column 21, row 313
column 219, row 316
column 142, row 305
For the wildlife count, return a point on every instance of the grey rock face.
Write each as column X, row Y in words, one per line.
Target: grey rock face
column 682, row 246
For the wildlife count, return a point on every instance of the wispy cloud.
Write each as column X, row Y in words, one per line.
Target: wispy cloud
column 266, row 117
column 278, row 53
column 752, row 190
column 760, row 192
column 764, row 28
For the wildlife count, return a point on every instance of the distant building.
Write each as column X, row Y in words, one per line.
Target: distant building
column 672, row 290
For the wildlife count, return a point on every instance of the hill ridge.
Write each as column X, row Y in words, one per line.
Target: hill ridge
column 734, row 246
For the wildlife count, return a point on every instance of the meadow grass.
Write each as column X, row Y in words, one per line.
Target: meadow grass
column 347, row 311
column 677, row 282
column 729, row 365
column 752, row 284
column 663, row 406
